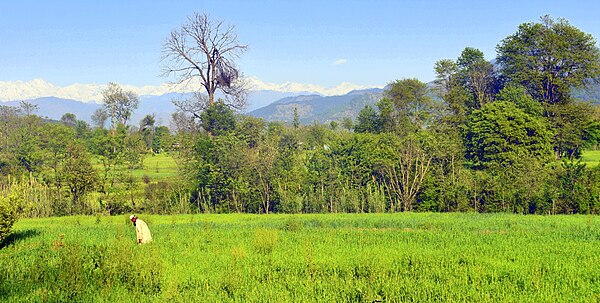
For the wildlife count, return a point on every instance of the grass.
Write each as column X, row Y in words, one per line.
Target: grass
column 158, row 167
column 418, row 257
column 591, row 157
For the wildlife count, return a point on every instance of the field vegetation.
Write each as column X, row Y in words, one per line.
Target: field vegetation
column 419, row 257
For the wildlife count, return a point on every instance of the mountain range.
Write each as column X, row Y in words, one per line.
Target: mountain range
column 267, row 104
column 92, row 93
column 322, row 109
column 274, row 104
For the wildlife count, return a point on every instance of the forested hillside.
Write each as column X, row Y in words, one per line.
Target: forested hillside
column 486, row 138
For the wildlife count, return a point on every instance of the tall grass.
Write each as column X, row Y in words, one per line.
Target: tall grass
column 419, row 257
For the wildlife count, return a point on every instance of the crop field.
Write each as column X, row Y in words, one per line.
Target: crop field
column 408, row 257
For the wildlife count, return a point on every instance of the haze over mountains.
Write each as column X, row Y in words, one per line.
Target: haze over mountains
column 90, row 93
column 315, row 103
column 272, row 102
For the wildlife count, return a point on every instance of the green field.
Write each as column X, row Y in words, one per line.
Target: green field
column 418, row 257
column 158, row 167
column 591, row 157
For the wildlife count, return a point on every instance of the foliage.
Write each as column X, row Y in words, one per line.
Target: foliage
column 574, row 128
column 519, row 96
column 12, row 200
column 501, row 135
column 486, row 146
column 218, row 118
column 412, row 104
column 118, row 104
column 368, row 121
column 549, row 58
column 79, row 176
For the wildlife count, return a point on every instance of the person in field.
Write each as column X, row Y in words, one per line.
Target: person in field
column 141, row 230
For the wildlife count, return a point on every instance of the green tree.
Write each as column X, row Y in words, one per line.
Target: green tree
column 133, row 157
column 119, row 104
column 218, row 119
column 99, row 117
column 10, row 121
column 518, row 95
column 405, row 172
column 68, row 119
column 56, row 139
column 296, row 121
column 79, row 175
column 161, row 141
column 476, row 75
column 25, row 143
column 501, row 134
column 549, row 58
column 412, row 104
column 147, row 129
column 451, row 91
column 574, row 128
column 367, row 121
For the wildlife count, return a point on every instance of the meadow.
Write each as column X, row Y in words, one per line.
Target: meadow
column 404, row 257
column 591, row 157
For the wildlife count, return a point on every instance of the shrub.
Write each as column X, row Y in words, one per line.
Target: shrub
column 9, row 204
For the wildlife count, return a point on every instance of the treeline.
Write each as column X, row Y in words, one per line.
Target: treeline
column 69, row 167
column 505, row 136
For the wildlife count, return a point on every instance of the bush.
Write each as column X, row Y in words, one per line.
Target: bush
column 9, row 204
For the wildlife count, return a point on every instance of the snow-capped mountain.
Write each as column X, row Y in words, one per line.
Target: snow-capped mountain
column 92, row 93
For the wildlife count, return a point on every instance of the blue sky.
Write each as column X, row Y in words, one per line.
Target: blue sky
column 318, row 42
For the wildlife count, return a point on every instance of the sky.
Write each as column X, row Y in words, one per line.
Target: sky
column 325, row 43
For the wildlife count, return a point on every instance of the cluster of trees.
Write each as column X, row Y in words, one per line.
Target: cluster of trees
column 60, row 163
column 488, row 136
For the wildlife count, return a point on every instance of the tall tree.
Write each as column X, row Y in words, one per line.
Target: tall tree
column 119, row 104
column 99, row 117
column 28, row 108
column 407, row 175
column 206, row 49
column 367, row 121
column 68, row 119
column 549, row 58
column 449, row 88
column 79, row 175
column 412, row 103
column 476, row 75
column 147, row 129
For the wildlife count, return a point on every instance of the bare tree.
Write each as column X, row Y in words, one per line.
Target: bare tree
column 205, row 49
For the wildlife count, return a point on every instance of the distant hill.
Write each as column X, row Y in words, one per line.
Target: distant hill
column 53, row 108
column 319, row 108
column 162, row 106
column 269, row 105
column 591, row 93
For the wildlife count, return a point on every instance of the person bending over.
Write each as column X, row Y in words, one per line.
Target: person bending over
column 141, row 230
